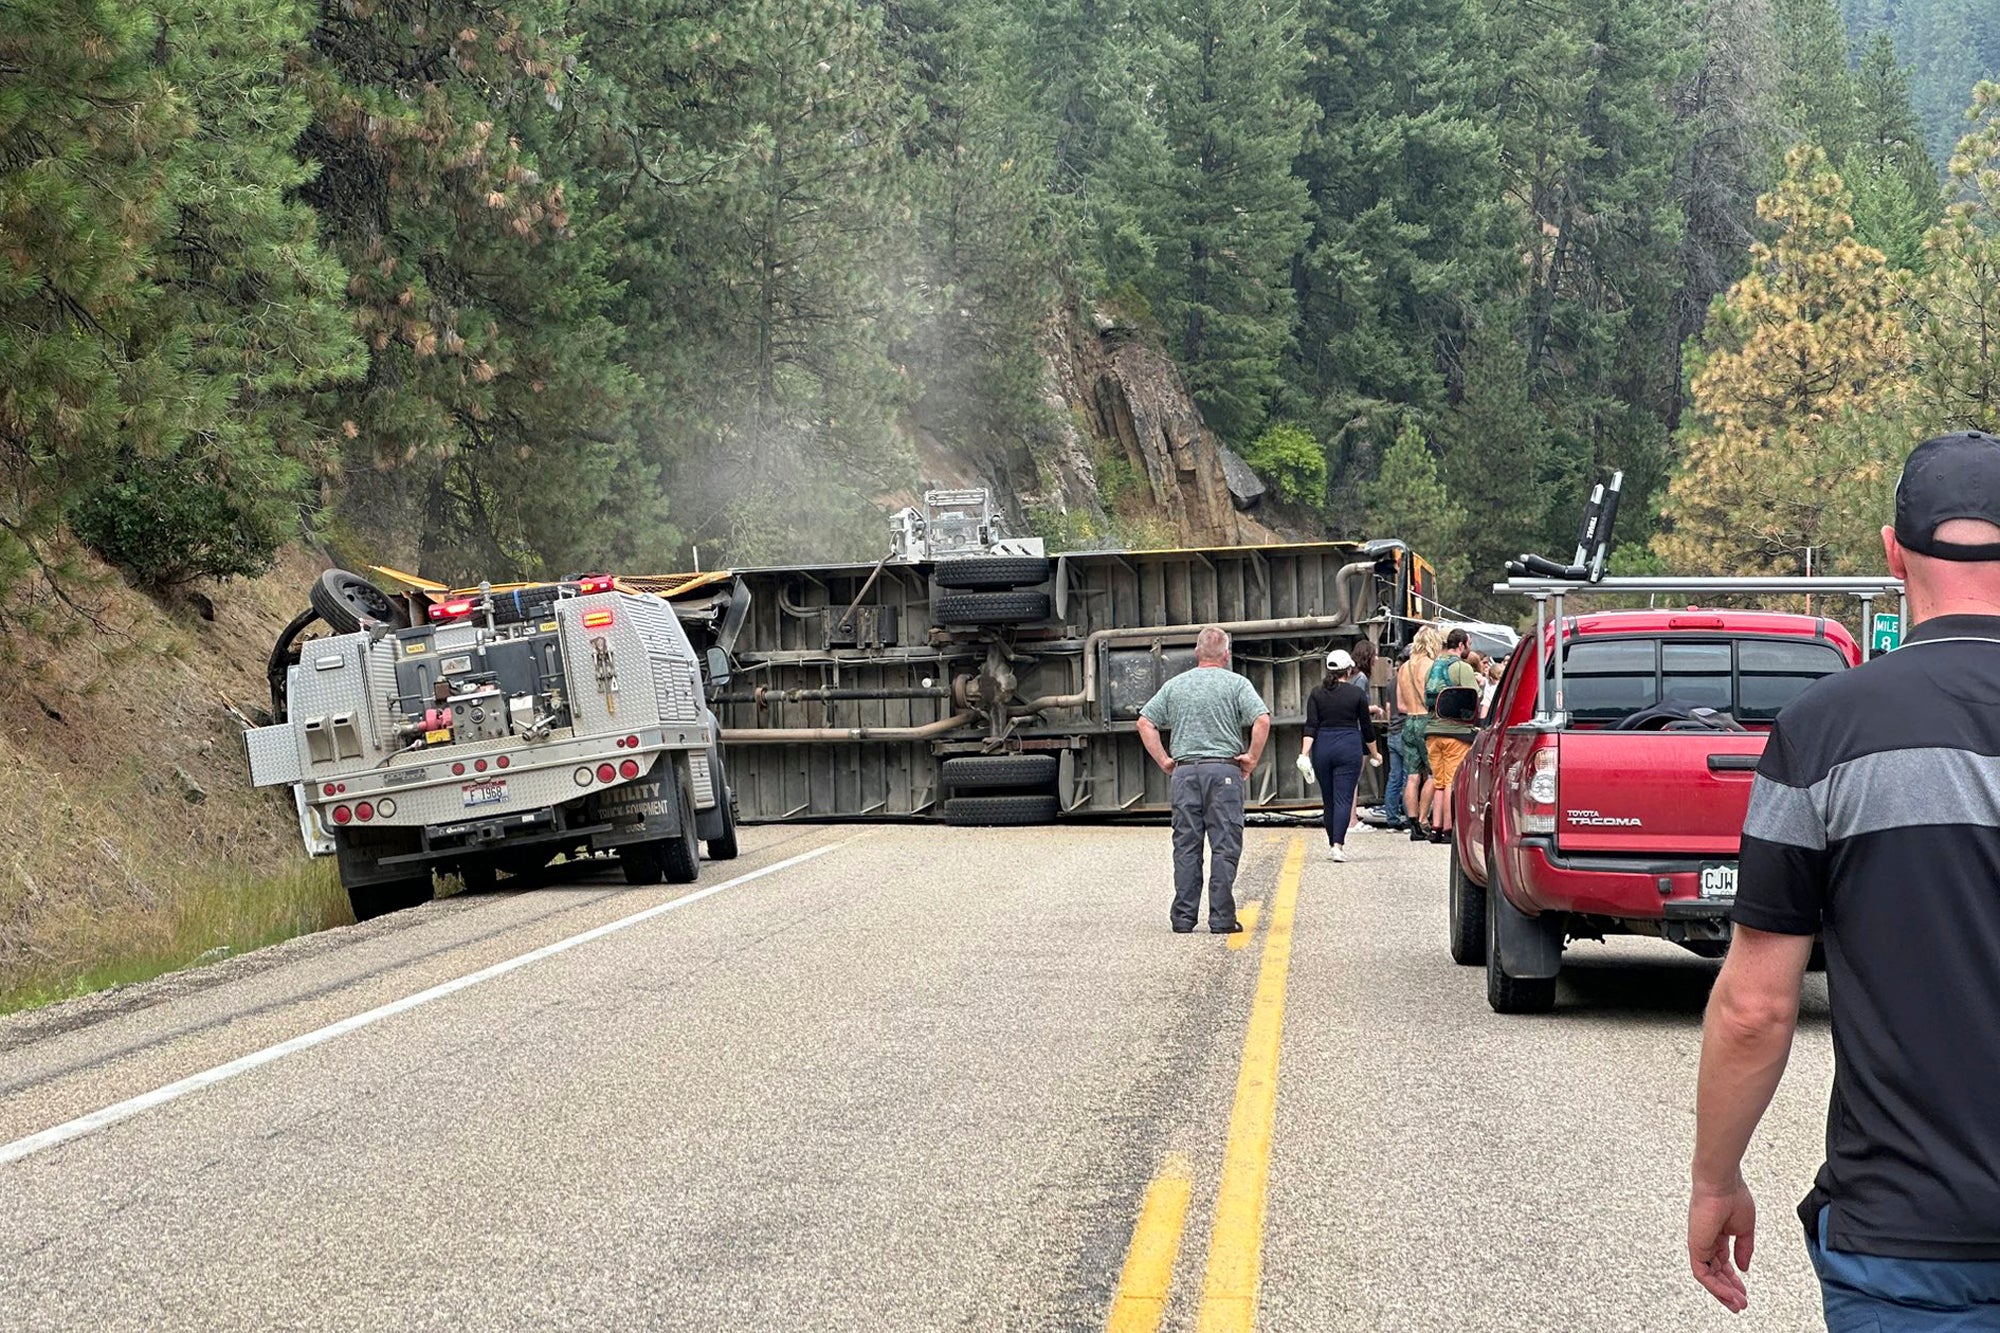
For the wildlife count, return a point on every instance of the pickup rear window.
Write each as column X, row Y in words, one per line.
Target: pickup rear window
column 1750, row 679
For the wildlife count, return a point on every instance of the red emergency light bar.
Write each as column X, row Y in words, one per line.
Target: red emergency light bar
column 452, row 610
column 595, row 583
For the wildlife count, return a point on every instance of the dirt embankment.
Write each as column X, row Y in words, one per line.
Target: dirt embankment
column 130, row 838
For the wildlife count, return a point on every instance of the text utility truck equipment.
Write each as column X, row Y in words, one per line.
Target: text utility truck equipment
column 490, row 732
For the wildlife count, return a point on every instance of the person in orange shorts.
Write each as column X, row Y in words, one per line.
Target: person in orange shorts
column 1452, row 691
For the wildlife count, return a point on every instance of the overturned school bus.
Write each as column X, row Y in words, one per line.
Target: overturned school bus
column 978, row 679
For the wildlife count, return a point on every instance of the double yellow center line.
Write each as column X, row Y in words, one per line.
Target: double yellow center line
column 1236, row 1243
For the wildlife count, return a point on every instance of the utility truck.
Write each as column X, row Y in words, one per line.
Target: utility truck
column 491, row 730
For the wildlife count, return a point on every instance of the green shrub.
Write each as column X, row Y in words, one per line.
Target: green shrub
column 1290, row 459
column 169, row 523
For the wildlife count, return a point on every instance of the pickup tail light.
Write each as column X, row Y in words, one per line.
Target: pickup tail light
column 1538, row 793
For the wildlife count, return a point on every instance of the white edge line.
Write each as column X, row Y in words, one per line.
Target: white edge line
column 146, row 1101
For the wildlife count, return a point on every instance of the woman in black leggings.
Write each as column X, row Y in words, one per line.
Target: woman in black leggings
column 1338, row 731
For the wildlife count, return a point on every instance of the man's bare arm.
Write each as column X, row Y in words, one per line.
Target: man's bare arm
column 1149, row 736
column 1746, row 1040
column 1260, row 732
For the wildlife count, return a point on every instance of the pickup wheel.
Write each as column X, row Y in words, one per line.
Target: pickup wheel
column 372, row 900
column 1467, row 913
column 1511, row 995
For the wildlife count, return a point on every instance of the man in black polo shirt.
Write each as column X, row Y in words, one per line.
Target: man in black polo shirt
column 1875, row 821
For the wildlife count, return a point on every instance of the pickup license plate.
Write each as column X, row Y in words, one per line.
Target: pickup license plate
column 1718, row 883
column 491, row 792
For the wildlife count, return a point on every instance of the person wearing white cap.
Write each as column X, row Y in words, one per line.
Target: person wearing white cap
column 1338, row 731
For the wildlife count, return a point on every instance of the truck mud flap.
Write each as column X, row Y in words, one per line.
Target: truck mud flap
column 1530, row 946
column 646, row 809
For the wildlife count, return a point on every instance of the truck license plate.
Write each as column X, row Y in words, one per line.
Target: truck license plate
column 490, row 792
column 1718, row 883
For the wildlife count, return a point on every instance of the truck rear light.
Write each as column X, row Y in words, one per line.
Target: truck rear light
column 387, row 809
column 596, row 619
column 606, row 773
column 458, row 770
column 629, row 769
column 479, row 766
column 501, row 762
column 327, row 790
column 452, row 610
column 364, row 812
column 1538, row 797
column 631, row 742
column 342, row 815
column 582, row 776
column 594, row 583
column 1694, row 622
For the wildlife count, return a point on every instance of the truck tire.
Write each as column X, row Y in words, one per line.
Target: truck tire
column 992, row 571
column 1511, row 995
column 640, row 863
column 372, row 900
column 1467, row 916
column 978, row 772
column 344, row 600
column 677, row 860
column 999, row 811
column 680, row 855
column 722, row 847
column 990, row 608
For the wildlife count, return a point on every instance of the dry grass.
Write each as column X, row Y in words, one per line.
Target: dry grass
column 130, row 839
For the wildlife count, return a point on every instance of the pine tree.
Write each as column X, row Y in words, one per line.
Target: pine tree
column 1408, row 499
column 168, row 303
column 1801, row 357
column 767, row 205
column 491, row 423
column 1498, row 460
column 1230, row 215
column 1815, row 94
column 1895, row 186
column 1411, row 229
column 1957, row 304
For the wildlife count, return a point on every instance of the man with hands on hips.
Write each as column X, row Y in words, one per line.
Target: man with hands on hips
column 1204, row 713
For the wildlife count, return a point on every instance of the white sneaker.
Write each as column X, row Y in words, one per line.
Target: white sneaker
column 1363, row 827
column 1336, row 853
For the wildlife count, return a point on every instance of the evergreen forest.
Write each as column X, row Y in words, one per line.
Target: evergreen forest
column 512, row 287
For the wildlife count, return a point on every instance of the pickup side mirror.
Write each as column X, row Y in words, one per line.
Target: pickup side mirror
column 718, row 667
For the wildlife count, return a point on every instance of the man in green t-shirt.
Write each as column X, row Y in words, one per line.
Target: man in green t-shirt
column 1204, row 712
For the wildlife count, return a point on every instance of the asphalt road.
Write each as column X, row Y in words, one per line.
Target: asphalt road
column 925, row 1079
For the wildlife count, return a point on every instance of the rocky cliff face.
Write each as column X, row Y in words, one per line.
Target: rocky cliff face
column 1125, row 457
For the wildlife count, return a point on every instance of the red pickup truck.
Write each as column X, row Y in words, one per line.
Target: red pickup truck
column 1618, row 811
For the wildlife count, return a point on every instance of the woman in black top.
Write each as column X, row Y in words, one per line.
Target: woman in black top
column 1338, row 730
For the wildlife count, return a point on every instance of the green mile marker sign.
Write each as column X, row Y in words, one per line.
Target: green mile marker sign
column 1888, row 634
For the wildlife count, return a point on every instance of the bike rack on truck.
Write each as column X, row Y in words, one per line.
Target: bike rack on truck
column 1548, row 581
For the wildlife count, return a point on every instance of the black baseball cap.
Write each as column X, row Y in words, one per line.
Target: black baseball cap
column 1952, row 476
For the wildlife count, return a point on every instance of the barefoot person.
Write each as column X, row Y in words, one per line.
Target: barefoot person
column 1874, row 822
column 1204, row 713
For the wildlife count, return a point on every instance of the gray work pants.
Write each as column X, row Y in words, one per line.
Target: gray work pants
column 1207, row 803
